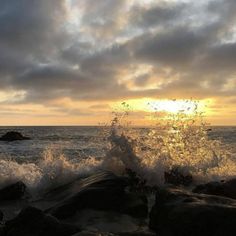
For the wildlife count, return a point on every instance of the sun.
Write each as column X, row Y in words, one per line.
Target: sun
column 169, row 106
column 173, row 106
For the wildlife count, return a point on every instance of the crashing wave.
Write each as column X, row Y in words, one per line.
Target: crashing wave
column 180, row 140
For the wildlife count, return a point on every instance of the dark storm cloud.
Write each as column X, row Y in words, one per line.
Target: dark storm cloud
column 31, row 25
column 30, row 32
column 103, row 18
column 160, row 14
column 221, row 57
column 49, row 82
column 175, row 48
column 45, row 55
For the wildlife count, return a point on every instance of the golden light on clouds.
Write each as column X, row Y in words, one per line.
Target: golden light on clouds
column 11, row 96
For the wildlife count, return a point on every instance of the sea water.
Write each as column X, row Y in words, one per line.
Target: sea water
column 56, row 155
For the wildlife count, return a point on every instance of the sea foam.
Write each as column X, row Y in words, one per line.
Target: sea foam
column 51, row 170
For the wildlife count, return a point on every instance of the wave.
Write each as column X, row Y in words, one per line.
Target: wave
column 51, row 170
column 181, row 141
column 178, row 140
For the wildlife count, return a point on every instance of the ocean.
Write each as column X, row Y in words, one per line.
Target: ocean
column 54, row 155
column 55, row 163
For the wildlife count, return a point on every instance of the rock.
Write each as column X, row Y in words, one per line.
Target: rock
column 14, row 191
column 134, row 204
column 13, row 136
column 226, row 189
column 102, row 178
column 176, row 177
column 90, row 233
column 2, row 233
column 136, row 233
column 1, row 216
column 138, row 184
column 181, row 213
column 33, row 222
column 103, row 191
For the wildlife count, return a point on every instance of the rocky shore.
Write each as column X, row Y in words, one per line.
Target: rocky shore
column 108, row 205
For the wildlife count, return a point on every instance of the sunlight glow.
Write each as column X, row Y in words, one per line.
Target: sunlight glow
column 169, row 106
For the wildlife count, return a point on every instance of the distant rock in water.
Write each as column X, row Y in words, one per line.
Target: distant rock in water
column 33, row 222
column 13, row 136
column 226, row 189
column 182, row 213
column 14, row 191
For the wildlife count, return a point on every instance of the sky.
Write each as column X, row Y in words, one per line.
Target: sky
column 70, row 62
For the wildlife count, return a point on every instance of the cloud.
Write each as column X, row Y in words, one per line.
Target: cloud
column 109, row 50
column 160, row 14
column 33, row 25
column 31, row 32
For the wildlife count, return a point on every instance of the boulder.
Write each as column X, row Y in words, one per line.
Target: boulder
column 90, row 233
column 136, row 233
column 13, row 136
column 138, row 184
column 14, row 191
column 1, row 216
column 226, row 189
column 102, row 179
column 181, row 213
column 2, row 233
column 102, row 191
column 178, row 177
column 33, row 222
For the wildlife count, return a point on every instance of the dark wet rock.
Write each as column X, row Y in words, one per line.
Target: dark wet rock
column 181, row 213
column 14, row 191
column 13, row 136
column 136, row 233
column 134, row 204
column 2, row 233
column 90, row 233
column 1, row 216
column 178, row 177
column 100, row 179
column 33, row 222
column 103, row 191
column 226, row 189
column 137, row 184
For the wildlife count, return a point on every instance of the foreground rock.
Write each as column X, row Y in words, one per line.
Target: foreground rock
column 33, row 222
column 177, row 177
column 137, row 233
column 14, row 191
column 180, row 213
column 226, row 189
column 13, row 136
column 103, row 191
column 1, row 216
